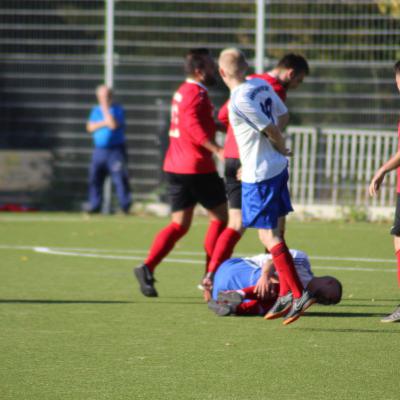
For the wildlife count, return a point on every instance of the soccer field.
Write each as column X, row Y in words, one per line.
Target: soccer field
column 73, row 324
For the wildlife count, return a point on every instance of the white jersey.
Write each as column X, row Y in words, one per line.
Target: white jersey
column 253, row 106
column 300, row 259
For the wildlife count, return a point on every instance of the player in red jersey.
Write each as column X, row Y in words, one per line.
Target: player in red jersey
column 190, row 169
column 390, row 165
column 288, row 74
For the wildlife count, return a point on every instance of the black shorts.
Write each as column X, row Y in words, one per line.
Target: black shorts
column 186, row 190
column 232, row 185
column 396, row 223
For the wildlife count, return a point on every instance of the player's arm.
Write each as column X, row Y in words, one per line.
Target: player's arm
column 93, row 126
column 214, row 148
column 265, row 285
column 108, row 121
column 280, row 110
column 275, row 136
column 199, row 123
column 283, row 121
column 390, row 165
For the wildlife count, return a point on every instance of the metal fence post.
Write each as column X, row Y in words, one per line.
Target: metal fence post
column 260, row 36
column 109, row 81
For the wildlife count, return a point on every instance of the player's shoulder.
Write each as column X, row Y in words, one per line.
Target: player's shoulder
column 191, row 91
column 118, row 108
column 298, row 254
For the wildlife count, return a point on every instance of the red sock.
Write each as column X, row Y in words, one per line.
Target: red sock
column 252, row 307
column 223, row 248
column 398, row 266
column 163, row 243
column 214, row 230
column 283, row 262
column 283, row 286
column 249, row 293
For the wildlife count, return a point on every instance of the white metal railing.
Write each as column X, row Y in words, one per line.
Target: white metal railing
column 335, row 165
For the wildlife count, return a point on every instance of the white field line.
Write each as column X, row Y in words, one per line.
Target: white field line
column 179, row 252
column 94, row 253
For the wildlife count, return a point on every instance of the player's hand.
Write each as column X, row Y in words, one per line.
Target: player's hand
column 207, row 283
column 239, row 174
column 376, row 183
column 220, row 154
column 207, row 295
column 262, row 288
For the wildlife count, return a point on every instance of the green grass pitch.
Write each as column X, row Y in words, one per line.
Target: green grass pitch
column 73, row 324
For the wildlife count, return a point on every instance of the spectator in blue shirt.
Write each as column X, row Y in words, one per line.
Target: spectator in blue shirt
column 106, row 123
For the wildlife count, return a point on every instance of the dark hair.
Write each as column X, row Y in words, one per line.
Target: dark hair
column 195, row 59
column 397, row 67
column 294, row 61
column 340, row 290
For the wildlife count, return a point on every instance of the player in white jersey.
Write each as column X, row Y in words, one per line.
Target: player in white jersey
column 257, row 115
column 252, row 107
column 247, row 286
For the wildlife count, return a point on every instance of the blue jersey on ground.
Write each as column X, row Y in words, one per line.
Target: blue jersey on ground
column 239, row 273
column 235, row 274
column 106, row 137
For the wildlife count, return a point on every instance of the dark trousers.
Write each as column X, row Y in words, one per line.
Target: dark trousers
column 110, row 161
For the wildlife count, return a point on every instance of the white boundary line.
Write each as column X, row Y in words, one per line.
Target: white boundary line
column 93, row 253
column 177, row 252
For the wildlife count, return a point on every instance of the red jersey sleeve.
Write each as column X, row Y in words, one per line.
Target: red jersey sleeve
column 223, row 114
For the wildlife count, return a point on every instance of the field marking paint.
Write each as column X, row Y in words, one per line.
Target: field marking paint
column 93, row 253
column 46, row 250
column 179, row 252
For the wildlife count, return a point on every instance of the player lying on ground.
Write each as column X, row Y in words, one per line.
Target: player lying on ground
column 250, row 286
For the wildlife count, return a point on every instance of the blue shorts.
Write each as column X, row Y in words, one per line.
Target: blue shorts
column 235, row 274
column 264, row 202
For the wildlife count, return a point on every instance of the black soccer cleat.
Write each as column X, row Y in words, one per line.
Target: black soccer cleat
column 281, row 306
column 221, row 309
column 299, row 306
column 231, row 297
column 146, row 281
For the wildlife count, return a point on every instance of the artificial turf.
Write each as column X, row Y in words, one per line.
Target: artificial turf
column 75, row 326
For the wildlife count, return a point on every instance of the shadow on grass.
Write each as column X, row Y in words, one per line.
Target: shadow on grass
column 371, row 304
column 343, row 314
column 349, row 330
column 370, row 298
column 28, row 301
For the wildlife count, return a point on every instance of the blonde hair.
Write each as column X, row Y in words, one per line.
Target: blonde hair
column 233, row 62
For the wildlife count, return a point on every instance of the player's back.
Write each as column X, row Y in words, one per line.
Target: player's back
column 253, row 106
column 191, row 125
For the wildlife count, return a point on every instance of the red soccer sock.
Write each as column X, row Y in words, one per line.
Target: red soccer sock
column 249, row 293
column 163, row 243
column 215, row 228
column 283, row 262
column 252, row 307
column 398, row 266
column 223, row 248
